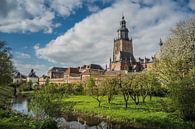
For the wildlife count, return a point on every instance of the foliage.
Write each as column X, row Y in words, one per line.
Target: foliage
column 95, row 91
column 125, row 87
column 148, row 115
column 6, row 94
column 47, row 102
column 10, row 120
column 173, row 65
column 6, row 66
column 183, row 96
column 177, row 56
column 49, row 124
column 110, row 85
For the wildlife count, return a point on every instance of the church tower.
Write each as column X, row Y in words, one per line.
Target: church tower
column 123, row 58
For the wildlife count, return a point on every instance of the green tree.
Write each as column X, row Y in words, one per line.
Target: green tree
column 110, row 85
column 95, row 91
column 173, row 64
column 125, row 83
column 182, row 93
column 6, row 66
column 154, row 86
column 177, row 55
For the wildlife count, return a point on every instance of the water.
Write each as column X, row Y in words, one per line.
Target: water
column 69, row 121
column 21, row 105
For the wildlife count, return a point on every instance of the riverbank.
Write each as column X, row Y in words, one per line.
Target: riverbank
column 149, row 115
column 11, row 120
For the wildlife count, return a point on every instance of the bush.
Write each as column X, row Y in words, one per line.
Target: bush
column 78, row 89
column 49, row 124
column 183, row 96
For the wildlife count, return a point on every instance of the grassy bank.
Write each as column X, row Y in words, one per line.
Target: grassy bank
column 145, row 115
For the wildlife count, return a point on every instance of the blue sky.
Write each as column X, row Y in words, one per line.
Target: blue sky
column 46, row 33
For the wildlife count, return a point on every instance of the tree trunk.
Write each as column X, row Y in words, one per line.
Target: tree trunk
column 109, row 99
column 150, row 97
column 137, row 102
column 144, row 97
column 126, row 101
column 99, row 103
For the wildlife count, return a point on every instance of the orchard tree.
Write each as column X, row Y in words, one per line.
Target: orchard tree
column 125, row 83
column 110, row 85
column 6, row 66
column 95, row 91
column 154, row 86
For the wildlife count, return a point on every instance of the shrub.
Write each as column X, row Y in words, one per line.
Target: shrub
column 49, row 124
column 183, row 96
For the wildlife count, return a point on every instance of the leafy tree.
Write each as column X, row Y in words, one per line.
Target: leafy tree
column 48, row 101
column 173, row 64
column 154, row 86
column 95, row 91
column 177, row 55
column 125, row 83
column 183, row 96
column 110, row 85
column 6, row 66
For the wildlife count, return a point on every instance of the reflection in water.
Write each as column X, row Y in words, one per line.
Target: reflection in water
column 77, row 125
column 20, row 104
column 69, row 121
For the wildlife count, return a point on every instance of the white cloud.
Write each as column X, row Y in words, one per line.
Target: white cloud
column 25, row 69
column 93, row 8
column 91, row 40
column 192, row 4
column 65, row 7
column 20, row 55
column 34, row 15
column 26, row 16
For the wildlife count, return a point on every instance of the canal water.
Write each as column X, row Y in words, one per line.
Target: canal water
column 69, row 121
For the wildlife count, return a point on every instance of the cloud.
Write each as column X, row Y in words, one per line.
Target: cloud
column 93, row 8
column 65, row 7
column 34, row 15
column 192, row 4
column 26, row 68
column 20, row 55
column 26, row 16
column 91, row 40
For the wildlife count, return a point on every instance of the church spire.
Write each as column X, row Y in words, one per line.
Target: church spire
column 123, row 31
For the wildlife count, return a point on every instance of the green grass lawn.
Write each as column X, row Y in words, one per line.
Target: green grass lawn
column 149, row 114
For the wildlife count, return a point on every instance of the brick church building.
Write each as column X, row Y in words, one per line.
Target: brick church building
column 123, row 58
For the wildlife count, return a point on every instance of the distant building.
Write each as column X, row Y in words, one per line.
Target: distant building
column 122, row 62
column 123, row 58
column 32, row 77
column 91, row 70
column 72, row 75
column 19, row 78
column 56, row 72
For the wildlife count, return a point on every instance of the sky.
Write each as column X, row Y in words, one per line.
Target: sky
column 71, row 33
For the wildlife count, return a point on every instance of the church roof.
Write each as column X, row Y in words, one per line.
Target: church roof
column 32, row 74
column 57, row 69
column 19, row 75
column 127, row 56
column 96, row 66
